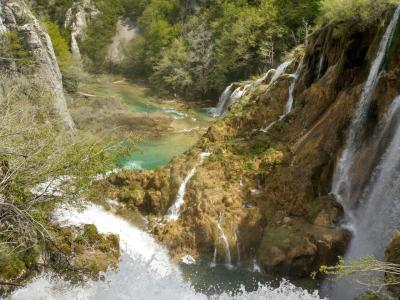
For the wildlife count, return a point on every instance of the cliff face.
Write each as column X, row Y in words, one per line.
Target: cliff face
column 15, row 16
column 270, row 191
column 77, row 19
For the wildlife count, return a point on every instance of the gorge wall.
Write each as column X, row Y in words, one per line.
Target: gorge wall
column 16, row 17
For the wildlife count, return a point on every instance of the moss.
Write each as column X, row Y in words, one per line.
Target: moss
column 90, row 233
column 11, row 266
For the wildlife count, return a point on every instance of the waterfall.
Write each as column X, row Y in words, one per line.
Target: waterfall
column 289, row 104
column 174, row 211
column 228, row 259
column 214, row 261
column 341, row 181
column 281, row 69
column 237, row 248
column 292, row 87
column 263, row 78
column 145, row 270
column 223, row 100
column 376, row 215
column 320, row 66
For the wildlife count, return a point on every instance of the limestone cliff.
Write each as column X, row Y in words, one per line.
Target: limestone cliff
column 15, row 16
column 76, row 21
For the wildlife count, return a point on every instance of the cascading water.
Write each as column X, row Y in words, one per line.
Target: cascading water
column 174, row 211
column 237, row 248
column 375, row 217
column 223, row 100
column 320, row 66
column 281, row 69
column 292, row 87
column 289, row 104
column 145, row 270
column 228, row 259
column 341, row 180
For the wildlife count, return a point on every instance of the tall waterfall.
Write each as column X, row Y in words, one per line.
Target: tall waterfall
column 341, row 181
column 174, row 211
column 375, row 218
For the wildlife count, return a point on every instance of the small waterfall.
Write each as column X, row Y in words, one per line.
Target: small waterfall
column 292, row 87
column 214, row 261
column 263, row 78
column 289, row 104
column 228, row 259
column 341, row 181
column 174, row 211
column 238, row 248
column 223, row 101
column 281, row 69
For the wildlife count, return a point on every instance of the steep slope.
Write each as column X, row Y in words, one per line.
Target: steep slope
column 16, row 17
column 267, row 193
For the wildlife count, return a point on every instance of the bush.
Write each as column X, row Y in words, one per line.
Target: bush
column 364, row 11
column 60, row 43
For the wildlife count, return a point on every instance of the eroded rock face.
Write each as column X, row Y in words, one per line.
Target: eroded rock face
column 77, row 19
column 16, row 16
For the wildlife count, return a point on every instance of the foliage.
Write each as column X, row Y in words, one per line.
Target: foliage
column 367, row 272
column 363, row 11
column 12, row 49
column 60, row 43
column 223, row 41
column 40, row 166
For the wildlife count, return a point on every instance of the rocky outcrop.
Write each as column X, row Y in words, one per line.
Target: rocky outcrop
column 273, row 188
column 125, row 32
column 77, row 19
column 15, row 16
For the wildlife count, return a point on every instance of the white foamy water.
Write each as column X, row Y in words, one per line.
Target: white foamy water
column 173, row 212
column 145, row 270
column 341, row 181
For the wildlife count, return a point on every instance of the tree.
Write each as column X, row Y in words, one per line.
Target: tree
column 201, row 54
column 41, row 165
column 172, row 73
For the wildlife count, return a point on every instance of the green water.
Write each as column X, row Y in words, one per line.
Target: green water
column 186, row 125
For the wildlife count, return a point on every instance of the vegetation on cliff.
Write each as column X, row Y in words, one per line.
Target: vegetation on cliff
column 42, row 166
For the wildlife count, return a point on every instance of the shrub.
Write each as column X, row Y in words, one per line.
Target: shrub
column 366, row 11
